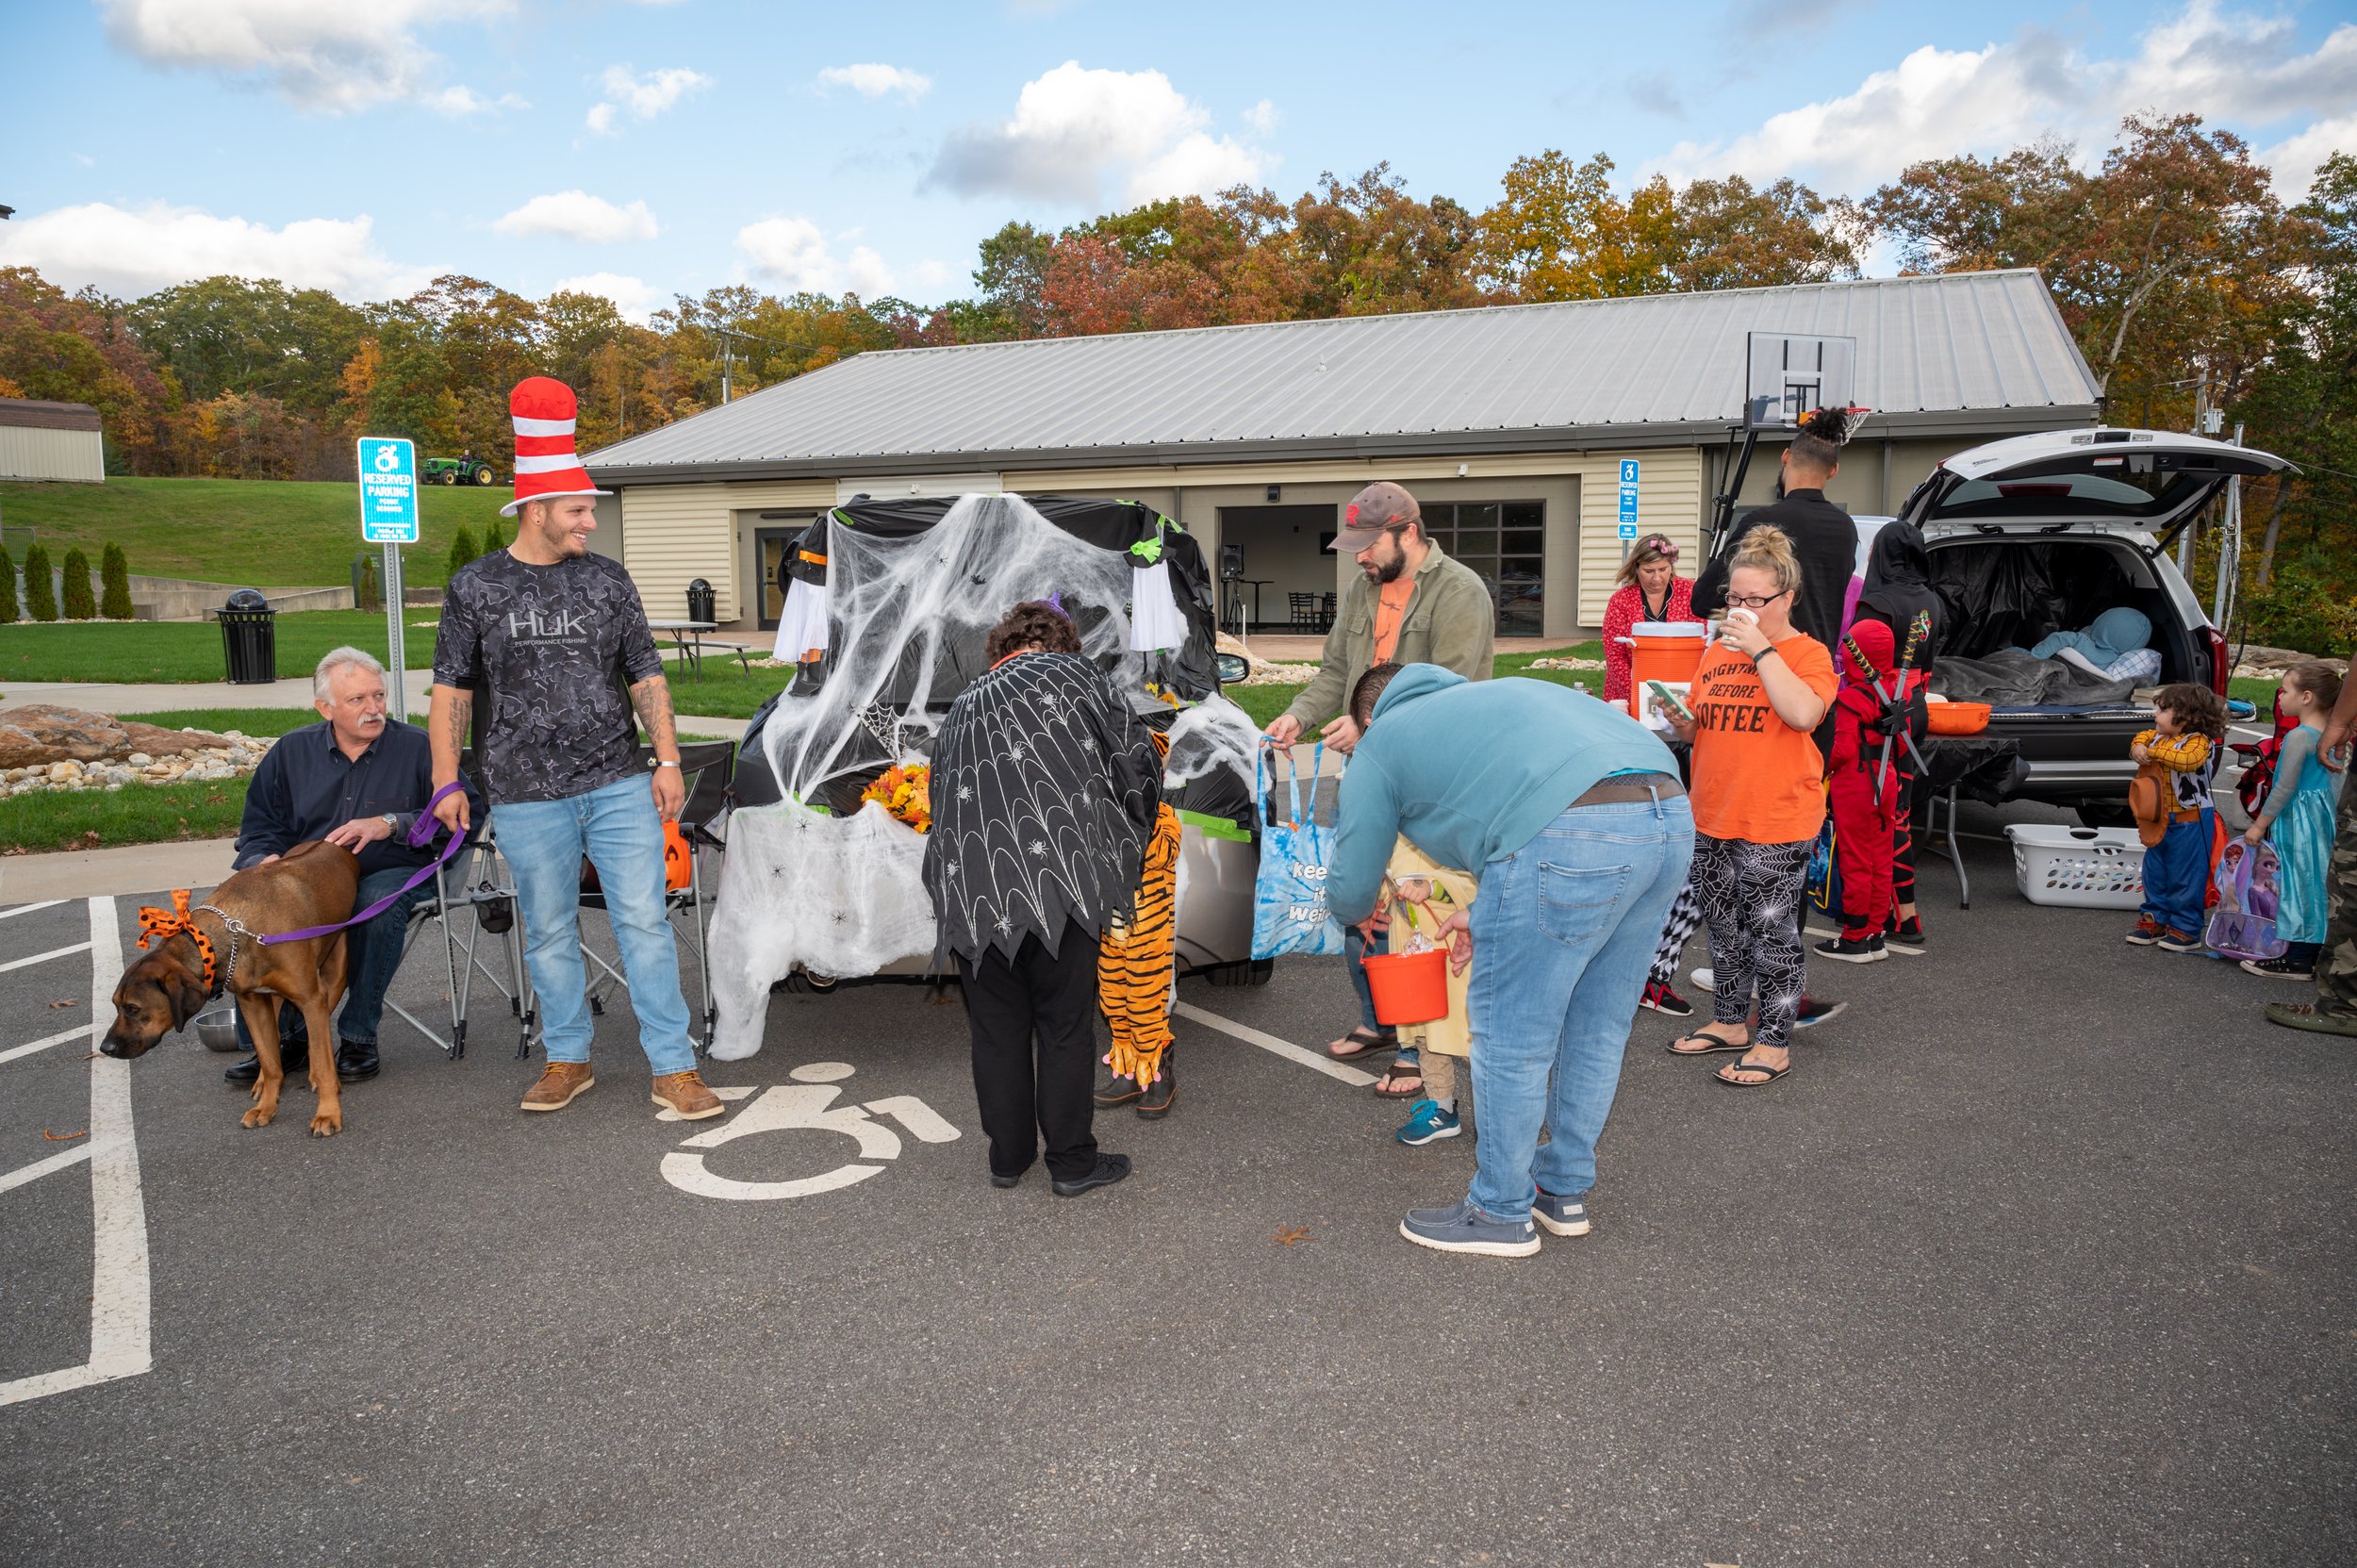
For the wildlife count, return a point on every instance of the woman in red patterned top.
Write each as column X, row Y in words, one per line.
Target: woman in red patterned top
column 1651, row 590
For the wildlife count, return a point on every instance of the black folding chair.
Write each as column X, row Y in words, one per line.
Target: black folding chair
column 475, row 883
column 708, row 767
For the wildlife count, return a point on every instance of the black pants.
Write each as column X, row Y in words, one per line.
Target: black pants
column 1024, row 1104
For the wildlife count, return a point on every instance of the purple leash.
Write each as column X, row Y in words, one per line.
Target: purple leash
column 420, row 835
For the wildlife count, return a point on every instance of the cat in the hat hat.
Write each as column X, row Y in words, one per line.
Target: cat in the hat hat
column 547, row 463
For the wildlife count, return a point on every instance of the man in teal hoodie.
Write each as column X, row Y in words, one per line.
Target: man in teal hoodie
column 1571, row 814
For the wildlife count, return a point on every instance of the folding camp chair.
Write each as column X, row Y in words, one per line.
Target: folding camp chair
column 475, row 883
column 708, row 767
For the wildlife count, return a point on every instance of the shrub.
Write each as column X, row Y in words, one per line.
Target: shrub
column 493, row 539
column 8, row 587
column 79, row 605
column 114, row 576
column 41, row 593
column 461, row 551
column 2300, row 611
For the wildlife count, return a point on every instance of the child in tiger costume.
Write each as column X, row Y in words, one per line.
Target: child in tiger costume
column 1134, row 974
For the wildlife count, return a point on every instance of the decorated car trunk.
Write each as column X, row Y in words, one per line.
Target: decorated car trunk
column 887, row 606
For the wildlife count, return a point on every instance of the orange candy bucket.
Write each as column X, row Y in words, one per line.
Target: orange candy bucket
column 1409, row 988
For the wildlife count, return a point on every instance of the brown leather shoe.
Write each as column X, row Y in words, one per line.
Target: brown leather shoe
column 686, row 1094
column 560, row 1084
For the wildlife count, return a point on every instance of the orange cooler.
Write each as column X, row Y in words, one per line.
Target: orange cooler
column 1665, row 651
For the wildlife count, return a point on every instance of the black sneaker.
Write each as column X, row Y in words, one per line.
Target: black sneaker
column 1109, row 1169
column 2280, row 968
column 1842, row 950
column 1658, row 997
column 1813, row 1013
column 1905, row 937
column 1154, row 1104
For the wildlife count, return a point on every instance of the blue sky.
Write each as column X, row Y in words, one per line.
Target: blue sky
column 648, row 149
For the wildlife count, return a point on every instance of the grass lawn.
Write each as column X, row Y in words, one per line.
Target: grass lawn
column 246, row 721
column 178, row 650
column 1265, row 702
column 254, row 531
column 136, row 814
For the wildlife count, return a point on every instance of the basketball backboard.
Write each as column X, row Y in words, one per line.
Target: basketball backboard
column 1787, row 373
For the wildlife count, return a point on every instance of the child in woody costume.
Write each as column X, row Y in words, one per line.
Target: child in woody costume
column 1422, row 896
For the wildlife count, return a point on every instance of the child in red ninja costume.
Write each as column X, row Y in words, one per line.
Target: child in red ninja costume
column 1875, row 697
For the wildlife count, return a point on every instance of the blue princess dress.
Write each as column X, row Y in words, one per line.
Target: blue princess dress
column 2302, row 835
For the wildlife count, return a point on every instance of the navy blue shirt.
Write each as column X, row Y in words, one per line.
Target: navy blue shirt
column 305, row 788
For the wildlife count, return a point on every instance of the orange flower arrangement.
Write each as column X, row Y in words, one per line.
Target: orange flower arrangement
column 906, row 792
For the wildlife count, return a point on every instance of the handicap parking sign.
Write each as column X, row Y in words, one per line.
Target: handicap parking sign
column 1628, row 470
column 1628, row 531
column 389, row 490
column 1628, row 503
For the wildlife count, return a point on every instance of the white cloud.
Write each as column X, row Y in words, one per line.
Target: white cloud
column 642, row 97
column 578, row 215
column 793, row 253
column 633, row 297
column 332, row 58
column 2232, row 67
column 1263, row 117
column 2296, row 160
column 1073, row 129
column 875, row 81
column 135, row 252
column 932, row 275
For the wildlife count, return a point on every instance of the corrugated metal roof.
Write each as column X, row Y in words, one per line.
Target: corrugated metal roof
column 1931, row 350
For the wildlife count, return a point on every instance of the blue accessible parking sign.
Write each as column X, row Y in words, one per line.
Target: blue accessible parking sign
column 389, row 490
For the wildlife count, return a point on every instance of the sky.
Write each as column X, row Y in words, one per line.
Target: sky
column 648, row 148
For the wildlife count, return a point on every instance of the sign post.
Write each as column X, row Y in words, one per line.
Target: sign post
column 389, row 517
column 1628, row 500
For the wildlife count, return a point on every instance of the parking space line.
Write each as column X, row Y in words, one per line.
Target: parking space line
column 42, row 958
column 38, row 1168
column 120, row 1345
column 78, row 1032
column 1270, row 1043
column 14, row 910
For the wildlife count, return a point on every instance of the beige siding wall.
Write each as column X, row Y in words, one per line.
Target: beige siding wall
column 1669, row 501
column 79, row 455
column 672, row 534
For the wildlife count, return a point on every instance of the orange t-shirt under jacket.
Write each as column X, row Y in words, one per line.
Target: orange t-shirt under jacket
column 1755, row 777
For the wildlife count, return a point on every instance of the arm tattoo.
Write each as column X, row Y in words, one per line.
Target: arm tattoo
column 456, row 712
column 651, row 698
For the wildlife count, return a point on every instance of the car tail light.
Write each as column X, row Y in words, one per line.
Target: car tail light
column 2219, row 665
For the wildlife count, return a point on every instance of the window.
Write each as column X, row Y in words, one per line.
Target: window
column 1505, row 543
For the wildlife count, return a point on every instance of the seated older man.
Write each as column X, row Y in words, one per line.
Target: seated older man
column 360, row 780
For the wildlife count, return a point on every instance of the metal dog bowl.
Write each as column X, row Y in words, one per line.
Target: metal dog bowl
column 218, row 1029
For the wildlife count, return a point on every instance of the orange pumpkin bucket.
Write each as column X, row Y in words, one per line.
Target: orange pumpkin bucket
column 1409, row 988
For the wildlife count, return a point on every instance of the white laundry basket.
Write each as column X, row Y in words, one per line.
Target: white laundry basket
column 2078, row 867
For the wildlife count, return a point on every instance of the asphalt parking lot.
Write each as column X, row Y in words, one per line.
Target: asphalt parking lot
column 2042, row 1256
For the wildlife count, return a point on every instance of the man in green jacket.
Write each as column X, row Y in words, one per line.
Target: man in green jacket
column 1409, row 605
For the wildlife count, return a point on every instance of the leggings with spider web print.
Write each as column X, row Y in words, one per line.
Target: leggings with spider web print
column 1751, row 900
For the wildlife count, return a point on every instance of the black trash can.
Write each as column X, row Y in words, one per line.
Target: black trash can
column 701, row 605
column 249, row 639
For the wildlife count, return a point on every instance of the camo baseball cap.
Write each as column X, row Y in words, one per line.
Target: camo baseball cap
column 1371, row 513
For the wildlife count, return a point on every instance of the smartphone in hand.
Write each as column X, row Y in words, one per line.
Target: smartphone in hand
column 1671, row 701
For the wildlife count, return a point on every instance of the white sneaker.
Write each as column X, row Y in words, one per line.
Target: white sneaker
column 1701, row 980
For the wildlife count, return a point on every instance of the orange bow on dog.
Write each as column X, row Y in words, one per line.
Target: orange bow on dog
column 160, row 925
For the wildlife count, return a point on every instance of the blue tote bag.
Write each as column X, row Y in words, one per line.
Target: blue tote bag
column 1289, row 912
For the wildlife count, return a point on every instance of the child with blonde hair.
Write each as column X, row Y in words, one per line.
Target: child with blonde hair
column 2297, row 818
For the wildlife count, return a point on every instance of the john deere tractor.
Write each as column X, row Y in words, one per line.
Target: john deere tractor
column 458, row 470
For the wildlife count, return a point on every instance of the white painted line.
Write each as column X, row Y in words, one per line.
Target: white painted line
column 26, row 909
column 38, row 1168
column 119, row 1313
column 1285, row 1049
column 42, row 958
column 79, row 1032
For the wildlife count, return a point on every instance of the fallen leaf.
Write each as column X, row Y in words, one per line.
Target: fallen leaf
column 64, row 1001
column 63, row 1137
column 1291, row 1234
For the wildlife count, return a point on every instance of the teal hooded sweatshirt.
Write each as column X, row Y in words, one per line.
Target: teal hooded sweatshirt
column 1471, row 771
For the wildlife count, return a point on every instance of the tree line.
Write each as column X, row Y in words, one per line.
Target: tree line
column 2174, row 264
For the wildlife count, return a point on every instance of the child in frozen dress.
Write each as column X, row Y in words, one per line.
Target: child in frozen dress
column 1423, row 895
column 2297, row 818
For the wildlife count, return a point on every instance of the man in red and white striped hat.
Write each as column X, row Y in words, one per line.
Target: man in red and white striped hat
column 554, row 641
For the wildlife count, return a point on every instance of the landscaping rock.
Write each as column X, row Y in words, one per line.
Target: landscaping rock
column 40, row 734
column 162, row 742
column 46, row 748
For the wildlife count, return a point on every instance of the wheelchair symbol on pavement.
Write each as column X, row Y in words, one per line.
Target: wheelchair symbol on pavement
column 807, row 1102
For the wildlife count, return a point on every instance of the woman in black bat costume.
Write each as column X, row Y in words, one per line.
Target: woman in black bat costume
column 1044, row 789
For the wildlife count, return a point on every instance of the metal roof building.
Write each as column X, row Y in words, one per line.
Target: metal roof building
column 51, row 440
column 1511, row 420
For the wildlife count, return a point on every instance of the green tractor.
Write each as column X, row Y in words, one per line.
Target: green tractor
column 468, row 470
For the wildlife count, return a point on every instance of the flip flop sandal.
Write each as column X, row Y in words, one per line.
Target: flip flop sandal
column 1363, row 1042
column 1774, row 1073
column 1713, row 1049
column 2308, row 1015
column 1392, row 1085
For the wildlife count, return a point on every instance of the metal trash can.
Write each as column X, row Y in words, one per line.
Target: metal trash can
column 701, row 605
column 249, row 639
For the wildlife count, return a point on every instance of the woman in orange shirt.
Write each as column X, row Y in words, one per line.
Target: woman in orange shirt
column 1758, row 800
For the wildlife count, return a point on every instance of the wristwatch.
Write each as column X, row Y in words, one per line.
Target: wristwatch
column 666, row 761
column 392, row 824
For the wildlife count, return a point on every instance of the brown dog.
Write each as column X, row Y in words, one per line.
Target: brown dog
column 312, row 885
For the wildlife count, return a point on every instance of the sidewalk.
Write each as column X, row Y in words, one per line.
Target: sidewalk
column 198, row 864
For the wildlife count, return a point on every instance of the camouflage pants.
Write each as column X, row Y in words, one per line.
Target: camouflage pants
column 2337, row 966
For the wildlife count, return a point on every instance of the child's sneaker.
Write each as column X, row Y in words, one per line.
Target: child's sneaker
column 1658, row 997
column 2177, row 942
column 1868, row 949
column 1428, row 1123
column 1905, row 936
column 2148, row 931
column 2285, row 967
column 1705, row 981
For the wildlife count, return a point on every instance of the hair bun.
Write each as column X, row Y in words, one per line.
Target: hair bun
column 1834, row 425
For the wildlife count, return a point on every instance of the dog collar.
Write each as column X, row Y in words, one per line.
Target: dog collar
column 158, row 926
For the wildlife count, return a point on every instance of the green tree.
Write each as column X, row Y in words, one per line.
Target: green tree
column 8, row 587
column 41, row 591
column 79, row 605
column 462, row 550
column 114, row 572
column 494, row 537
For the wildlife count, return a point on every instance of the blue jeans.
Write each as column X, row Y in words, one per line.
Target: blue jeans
column 2177, row 877
column 1563, row 934
column 1354, row 954
column 371, row 954
column 618, row 829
